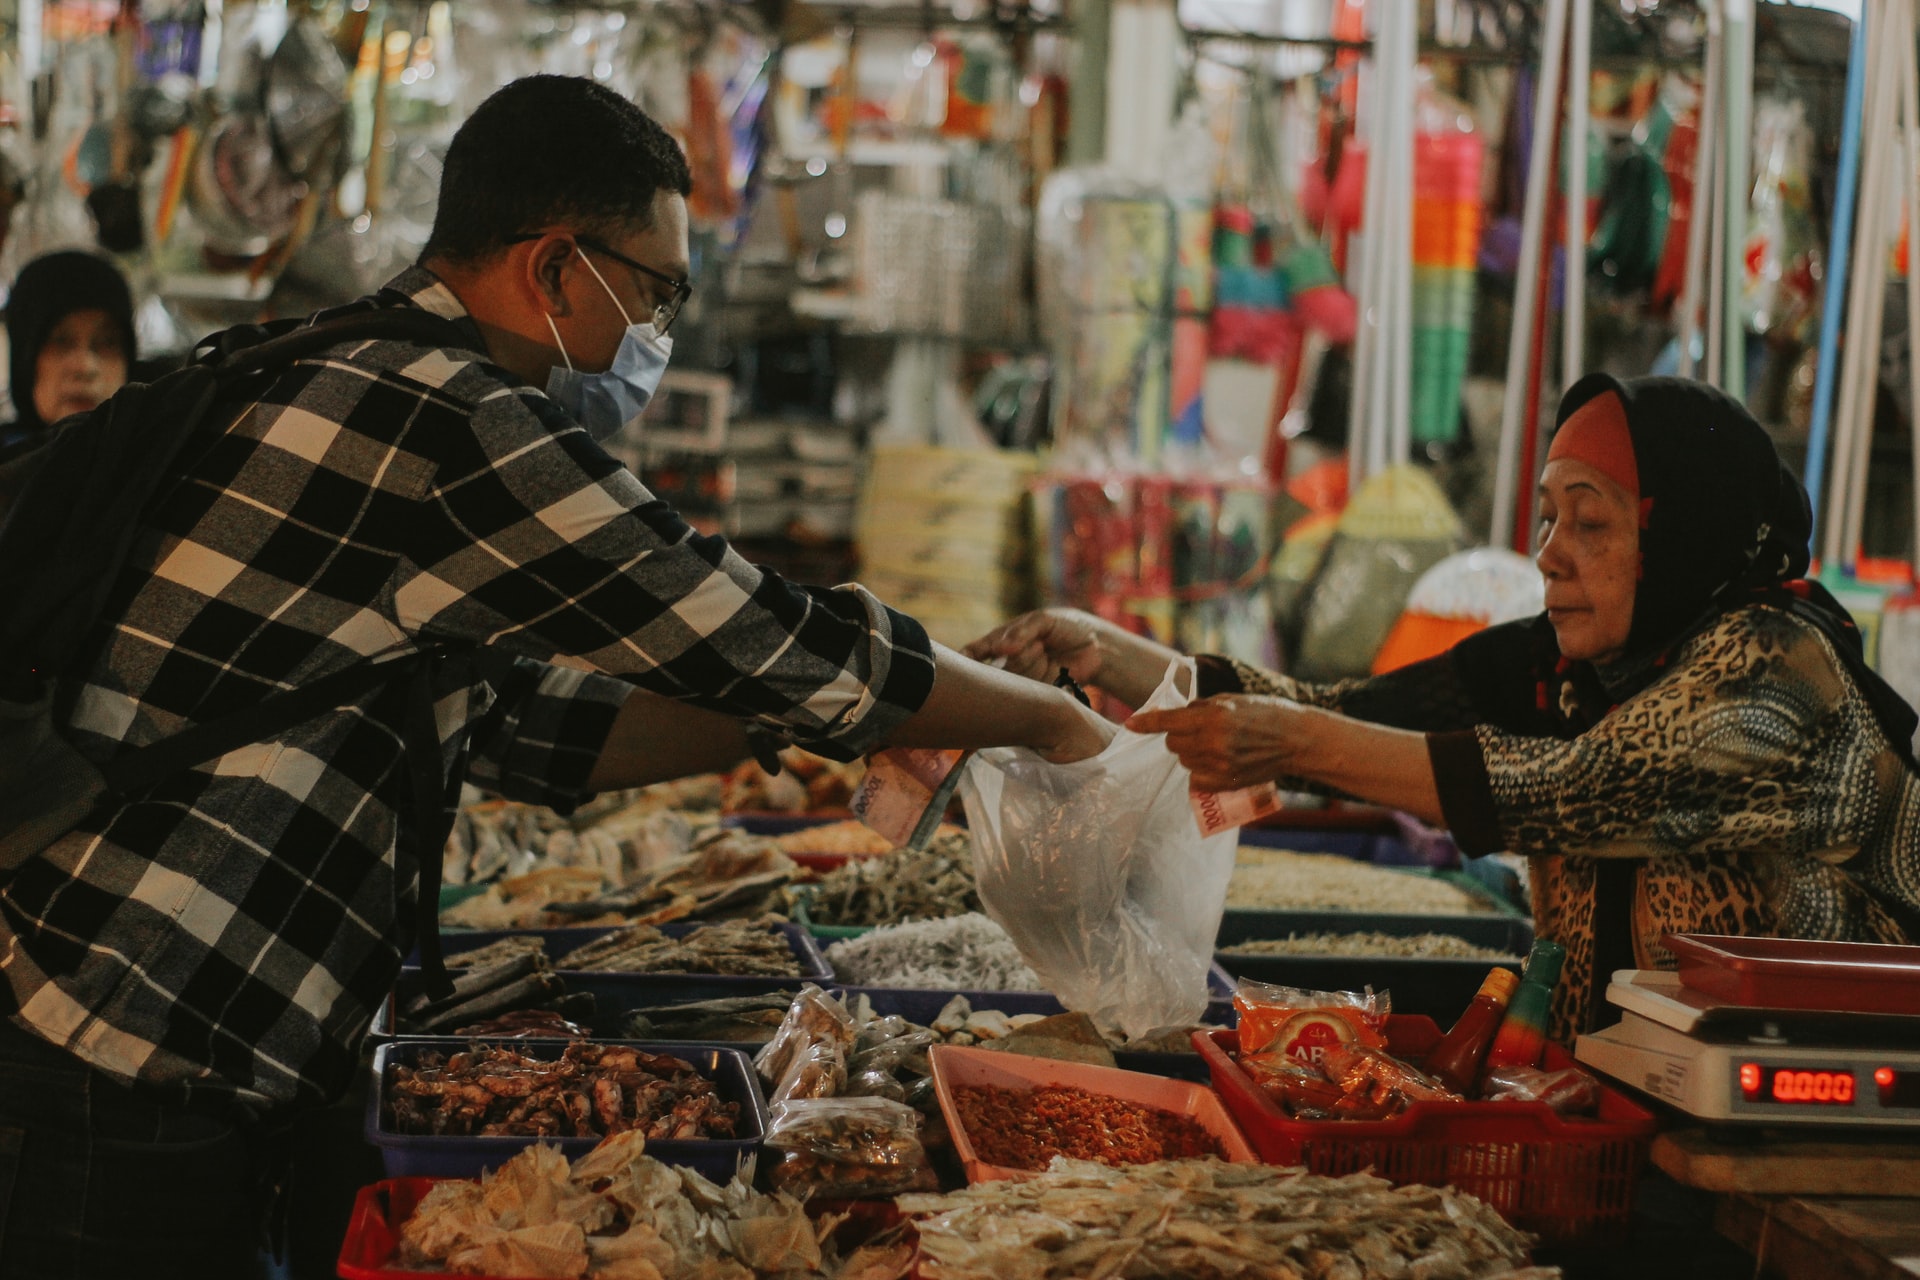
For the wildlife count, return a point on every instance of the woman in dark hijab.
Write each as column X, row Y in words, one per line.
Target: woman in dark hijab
column 1687, row 740
column 70, row 332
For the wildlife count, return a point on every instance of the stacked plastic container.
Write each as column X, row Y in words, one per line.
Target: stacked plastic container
column 1446, row 242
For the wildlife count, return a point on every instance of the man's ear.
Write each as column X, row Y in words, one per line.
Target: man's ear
column 548, row 264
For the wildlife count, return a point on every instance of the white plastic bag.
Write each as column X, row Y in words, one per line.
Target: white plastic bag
column 1100, row 874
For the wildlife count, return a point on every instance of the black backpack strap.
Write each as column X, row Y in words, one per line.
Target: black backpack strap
column 435, row 796
column 254, row 348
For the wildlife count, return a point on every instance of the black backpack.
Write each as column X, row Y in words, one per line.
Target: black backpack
column 69, row 509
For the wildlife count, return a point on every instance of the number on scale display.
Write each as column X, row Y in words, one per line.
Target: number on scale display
column 1792, row 1085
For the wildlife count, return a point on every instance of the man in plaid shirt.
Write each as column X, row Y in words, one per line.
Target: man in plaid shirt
column 214, row 949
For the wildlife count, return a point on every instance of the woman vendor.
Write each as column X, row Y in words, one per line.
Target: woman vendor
column 1687, row 740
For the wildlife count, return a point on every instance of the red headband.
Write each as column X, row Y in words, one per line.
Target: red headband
column 1597, row 435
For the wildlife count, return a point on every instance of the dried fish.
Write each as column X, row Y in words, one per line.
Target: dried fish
column 733, row 947
column 736, row 1020
column 1425, row 946
column 1277, row 879
column 1204, row 1218
column 806, row 783
column 935, row 884
column 619, row 1214
column 719, row 870
column 965, row 953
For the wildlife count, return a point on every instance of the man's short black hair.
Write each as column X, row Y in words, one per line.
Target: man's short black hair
column 551, row 151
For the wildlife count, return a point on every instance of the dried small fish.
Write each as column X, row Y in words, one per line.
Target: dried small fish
column 965, row 953
column 736, row 1019
column 1277, row 879
column 734, row 947
column 494, row 952
column 1425, row 946
column 1204, row 1219
column 935, row 884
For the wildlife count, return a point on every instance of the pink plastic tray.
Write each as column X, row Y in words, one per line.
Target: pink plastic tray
column 1790, row 973
column 955, row 1067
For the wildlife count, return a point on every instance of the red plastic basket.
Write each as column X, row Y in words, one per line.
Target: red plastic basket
column 1563, row 1178
column 373, row 1232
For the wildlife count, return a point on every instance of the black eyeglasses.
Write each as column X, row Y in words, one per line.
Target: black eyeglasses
column 665, row 313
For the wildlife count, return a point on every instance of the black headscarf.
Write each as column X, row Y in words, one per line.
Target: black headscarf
column 1724, row 525
column 48, row 290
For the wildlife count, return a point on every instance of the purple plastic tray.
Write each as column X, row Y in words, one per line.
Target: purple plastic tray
column 410, row 1156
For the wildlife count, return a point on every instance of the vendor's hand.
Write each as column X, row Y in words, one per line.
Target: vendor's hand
column 1038, row 644
column 1231, row 741
column 1082, row 733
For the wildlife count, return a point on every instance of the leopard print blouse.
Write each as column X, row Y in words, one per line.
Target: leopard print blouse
column 1751, row 785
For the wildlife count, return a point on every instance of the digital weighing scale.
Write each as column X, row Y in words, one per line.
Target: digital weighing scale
column 1737, row 1063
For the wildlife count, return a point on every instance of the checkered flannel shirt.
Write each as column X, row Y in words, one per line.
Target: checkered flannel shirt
column 233, row 929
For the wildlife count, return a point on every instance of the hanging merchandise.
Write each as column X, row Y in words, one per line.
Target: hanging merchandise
column 1381, row 410
column 937, row 268
column 1629, row 246
column 1396, row 527
column 1846, row 192
column 1107, row 247
column 1899, row 639
column 1519, row 413
column 1446, row 247
column 1469, row 591
column 1779, row 299
column 1679, row 105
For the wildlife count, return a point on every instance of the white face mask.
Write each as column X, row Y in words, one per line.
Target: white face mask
column 603, row 403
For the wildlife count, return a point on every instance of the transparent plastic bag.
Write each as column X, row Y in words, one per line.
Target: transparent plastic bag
column 1099, row 873
column 847, row 1148
column 813, row 1018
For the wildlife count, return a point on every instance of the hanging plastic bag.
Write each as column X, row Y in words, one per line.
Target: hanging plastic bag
column 1099, row 873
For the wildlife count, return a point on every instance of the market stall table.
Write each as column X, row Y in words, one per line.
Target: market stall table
column 1826, row 1239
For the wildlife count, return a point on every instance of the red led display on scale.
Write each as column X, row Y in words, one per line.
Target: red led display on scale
column 1817, row 1087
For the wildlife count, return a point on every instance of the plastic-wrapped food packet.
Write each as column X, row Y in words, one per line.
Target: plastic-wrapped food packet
column 891, row 1055
column 1569, row 1091
column 818, row 1071
column 1305, row 1024
column 874, row 1083
column 847, row 1148
column 1301, row 1090
column 814, row 1018
column 1375, row 1084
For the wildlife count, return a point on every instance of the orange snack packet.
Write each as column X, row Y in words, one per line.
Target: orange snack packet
column 1305, row 1024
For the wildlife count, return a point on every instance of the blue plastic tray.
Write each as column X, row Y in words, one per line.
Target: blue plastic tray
column 408, row 1156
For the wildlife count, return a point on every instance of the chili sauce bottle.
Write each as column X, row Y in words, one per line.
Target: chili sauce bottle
column 1522, row 1038
column 1455, row 1061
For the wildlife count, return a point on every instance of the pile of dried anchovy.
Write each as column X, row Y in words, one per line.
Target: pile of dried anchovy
column 1205, row 1219
column 897, row 887
column 589, row 1091
column 966, row 953
column 1277, row 879
column 1423, row 946
column 733, row 947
